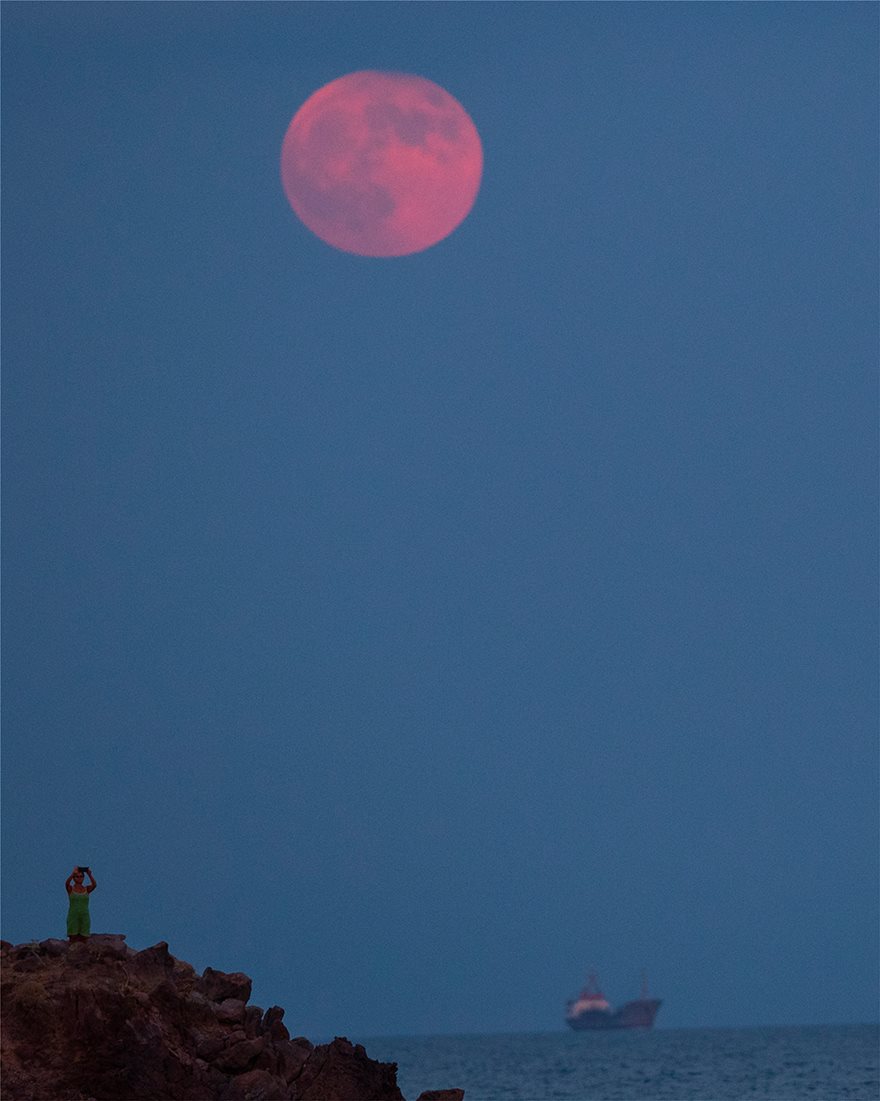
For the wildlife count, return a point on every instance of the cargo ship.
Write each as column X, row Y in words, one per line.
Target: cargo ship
column 590, row 1010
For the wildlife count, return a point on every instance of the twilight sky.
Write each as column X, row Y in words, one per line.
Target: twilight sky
column 415, row 634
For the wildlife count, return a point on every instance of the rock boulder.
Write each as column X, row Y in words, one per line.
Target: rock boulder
column 98, row 1021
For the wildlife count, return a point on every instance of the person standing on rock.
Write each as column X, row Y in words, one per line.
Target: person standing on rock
column 79, row 923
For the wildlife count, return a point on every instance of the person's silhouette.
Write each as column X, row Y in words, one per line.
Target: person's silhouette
column 79, row 923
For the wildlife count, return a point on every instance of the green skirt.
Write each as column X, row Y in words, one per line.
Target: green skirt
column 78, row 921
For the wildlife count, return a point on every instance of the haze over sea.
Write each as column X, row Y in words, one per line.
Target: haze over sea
column 761, row 1064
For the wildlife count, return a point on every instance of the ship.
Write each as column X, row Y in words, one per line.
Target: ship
column 591, row 1010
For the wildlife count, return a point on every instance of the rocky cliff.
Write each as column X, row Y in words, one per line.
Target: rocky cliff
column 99, row 1021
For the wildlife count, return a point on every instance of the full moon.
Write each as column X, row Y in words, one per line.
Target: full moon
column 381, row 164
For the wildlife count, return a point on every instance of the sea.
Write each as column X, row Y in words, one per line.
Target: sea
column 746, row 1064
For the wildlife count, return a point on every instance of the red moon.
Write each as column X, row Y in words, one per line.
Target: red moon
column 381, row 164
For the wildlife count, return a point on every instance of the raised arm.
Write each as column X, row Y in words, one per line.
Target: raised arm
column 94, row 882
column 68, row 886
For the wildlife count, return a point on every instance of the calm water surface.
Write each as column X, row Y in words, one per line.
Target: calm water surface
column 761, row 1064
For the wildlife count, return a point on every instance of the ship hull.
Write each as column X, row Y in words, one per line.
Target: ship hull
column 637, row 1014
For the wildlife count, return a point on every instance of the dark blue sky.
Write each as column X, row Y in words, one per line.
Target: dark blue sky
column 415, row 634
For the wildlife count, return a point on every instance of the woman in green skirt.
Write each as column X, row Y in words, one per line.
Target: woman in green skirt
column 78, row 922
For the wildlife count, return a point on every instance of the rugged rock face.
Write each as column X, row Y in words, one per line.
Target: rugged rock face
column 98, row 1021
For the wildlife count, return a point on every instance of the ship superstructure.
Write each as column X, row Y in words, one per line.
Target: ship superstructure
column 591, row 1009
